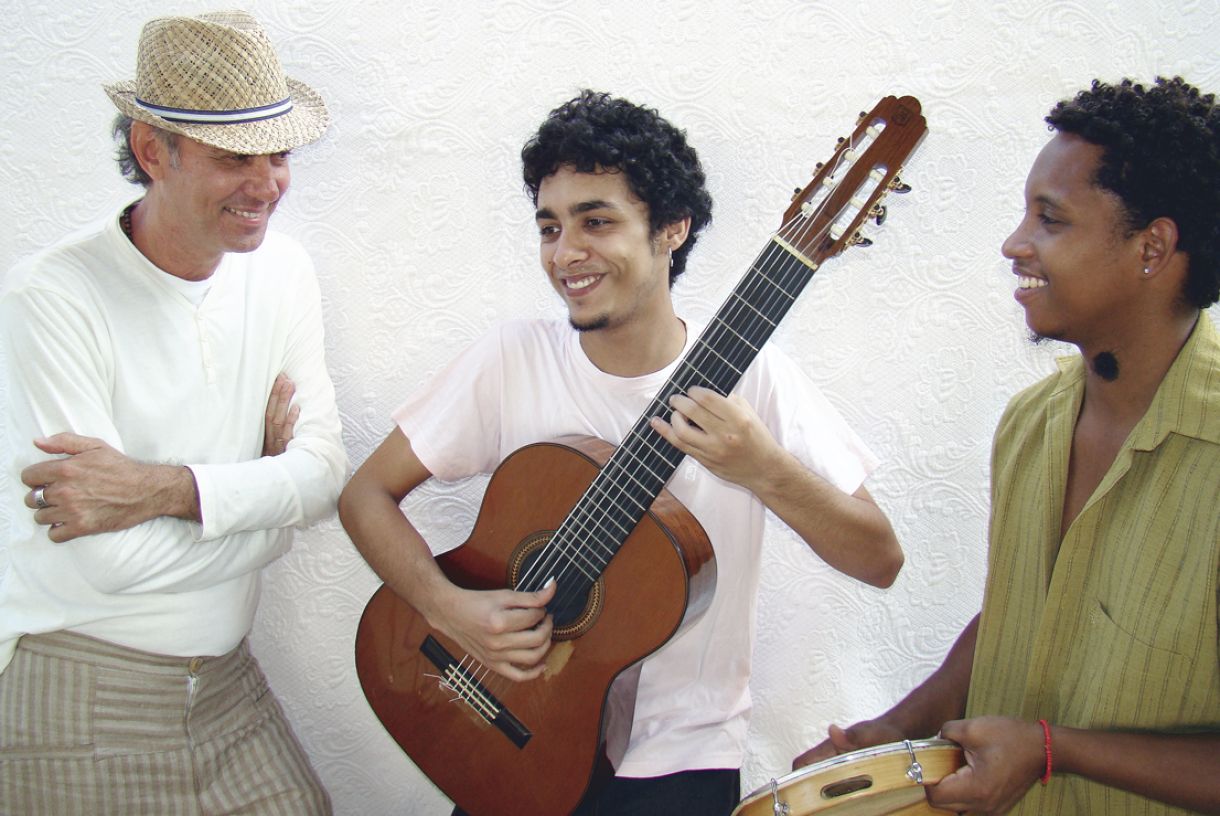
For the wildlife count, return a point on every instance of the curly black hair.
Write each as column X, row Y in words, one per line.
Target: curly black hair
column 1161, row 157
column 595, row 131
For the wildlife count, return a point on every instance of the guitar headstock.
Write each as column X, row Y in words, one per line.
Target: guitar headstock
column 825, row 217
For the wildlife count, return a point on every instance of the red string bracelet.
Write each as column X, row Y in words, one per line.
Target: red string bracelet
column 1046, row 733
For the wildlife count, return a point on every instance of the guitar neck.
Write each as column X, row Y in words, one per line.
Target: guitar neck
column 822, row 221
column 642, row 465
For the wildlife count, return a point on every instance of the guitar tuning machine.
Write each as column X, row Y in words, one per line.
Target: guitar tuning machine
column 859, row 240
column 878, row 213
column 898, row 186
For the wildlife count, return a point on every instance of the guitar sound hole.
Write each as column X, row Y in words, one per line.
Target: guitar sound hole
column 578, row 601
column 845, row 786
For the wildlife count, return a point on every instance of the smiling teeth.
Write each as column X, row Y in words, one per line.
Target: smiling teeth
column 1025, row 282
column 242, row 213
column 579, row 283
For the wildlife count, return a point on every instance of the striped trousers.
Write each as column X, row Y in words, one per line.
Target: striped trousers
column 91, row 728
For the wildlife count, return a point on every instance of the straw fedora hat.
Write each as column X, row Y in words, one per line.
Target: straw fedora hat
column 216, row 79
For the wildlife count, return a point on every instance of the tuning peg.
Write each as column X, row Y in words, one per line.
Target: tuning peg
column 859, row 240
column 841, row 140
column 899, row 187
column 878, row 213
column 796, row 191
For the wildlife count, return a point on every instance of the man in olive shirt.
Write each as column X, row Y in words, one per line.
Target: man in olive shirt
column 1093, row 666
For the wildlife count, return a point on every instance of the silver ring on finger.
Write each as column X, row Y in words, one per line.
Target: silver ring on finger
column 39, row 496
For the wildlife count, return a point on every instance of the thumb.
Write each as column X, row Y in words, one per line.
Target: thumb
column 66, row 442
column 544, row 595
column 841, row 738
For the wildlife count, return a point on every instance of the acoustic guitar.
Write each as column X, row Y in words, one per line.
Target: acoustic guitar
column 632, row 565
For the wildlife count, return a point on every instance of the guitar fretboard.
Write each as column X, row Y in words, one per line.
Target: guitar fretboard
column 640, row 467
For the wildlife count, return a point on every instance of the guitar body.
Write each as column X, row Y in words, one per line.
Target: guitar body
column 542, row 761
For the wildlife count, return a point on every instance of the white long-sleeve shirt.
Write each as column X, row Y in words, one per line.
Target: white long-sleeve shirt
column 95, row 339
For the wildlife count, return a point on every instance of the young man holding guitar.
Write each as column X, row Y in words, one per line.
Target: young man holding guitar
column 1093, row 666
column 620, row 201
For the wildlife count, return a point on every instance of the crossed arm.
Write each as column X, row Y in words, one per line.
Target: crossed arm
column 93, row 488
column 1005, row 756
column 120, row 519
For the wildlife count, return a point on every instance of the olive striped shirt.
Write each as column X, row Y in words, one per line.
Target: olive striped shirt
column 1115, row 626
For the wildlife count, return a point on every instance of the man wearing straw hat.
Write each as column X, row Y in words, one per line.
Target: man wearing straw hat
column 150, row 364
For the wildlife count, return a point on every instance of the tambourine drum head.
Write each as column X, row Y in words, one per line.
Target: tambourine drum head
column 869, row 782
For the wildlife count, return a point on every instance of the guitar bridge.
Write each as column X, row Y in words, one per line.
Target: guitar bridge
column 473, row 693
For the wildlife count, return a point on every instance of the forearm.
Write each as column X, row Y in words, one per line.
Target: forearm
column 170, row 491
column 849, row 532
column 300, row 485
column 1179, row 769
column 391, row 545
column 161, row 555
column 297, row 487
column 940, row 698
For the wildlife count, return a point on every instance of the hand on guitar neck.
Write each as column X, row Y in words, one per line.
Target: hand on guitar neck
column 724, row 434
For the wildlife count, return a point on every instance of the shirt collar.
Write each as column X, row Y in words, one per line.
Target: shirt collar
column 1187, row 402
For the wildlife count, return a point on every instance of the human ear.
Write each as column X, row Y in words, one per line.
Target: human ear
column 1159, row 243
column 150, row 151
column 674, row 235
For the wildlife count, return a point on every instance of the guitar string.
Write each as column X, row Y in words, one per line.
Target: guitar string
column 698, row 361
column 733, row 312
column 729, row 315
column 747, row 295
column 706, row 371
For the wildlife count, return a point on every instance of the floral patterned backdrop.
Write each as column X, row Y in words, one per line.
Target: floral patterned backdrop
column 413, row 210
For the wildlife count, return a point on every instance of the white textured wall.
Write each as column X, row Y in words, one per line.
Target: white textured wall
column 413, row 210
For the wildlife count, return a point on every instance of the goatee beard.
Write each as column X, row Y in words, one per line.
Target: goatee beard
column 1038, row 339
column 596, row 324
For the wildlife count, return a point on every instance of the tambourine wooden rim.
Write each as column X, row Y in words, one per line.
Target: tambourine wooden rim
column 870, row 782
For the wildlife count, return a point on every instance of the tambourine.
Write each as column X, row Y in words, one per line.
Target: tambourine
column 873, row 781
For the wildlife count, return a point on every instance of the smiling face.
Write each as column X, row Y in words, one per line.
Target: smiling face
column 599, row 253
column 210, row 201
column 1076, row 265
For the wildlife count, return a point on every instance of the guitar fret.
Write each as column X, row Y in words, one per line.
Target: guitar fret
column 589, row 564
column 644, row 463
column 572, row 550
column 726, row 360
column 660, row 454
column 751, row 307
column 721, row 322
column 688, row 364
column 593, row 524
column 608, row 473
column 762, row 276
